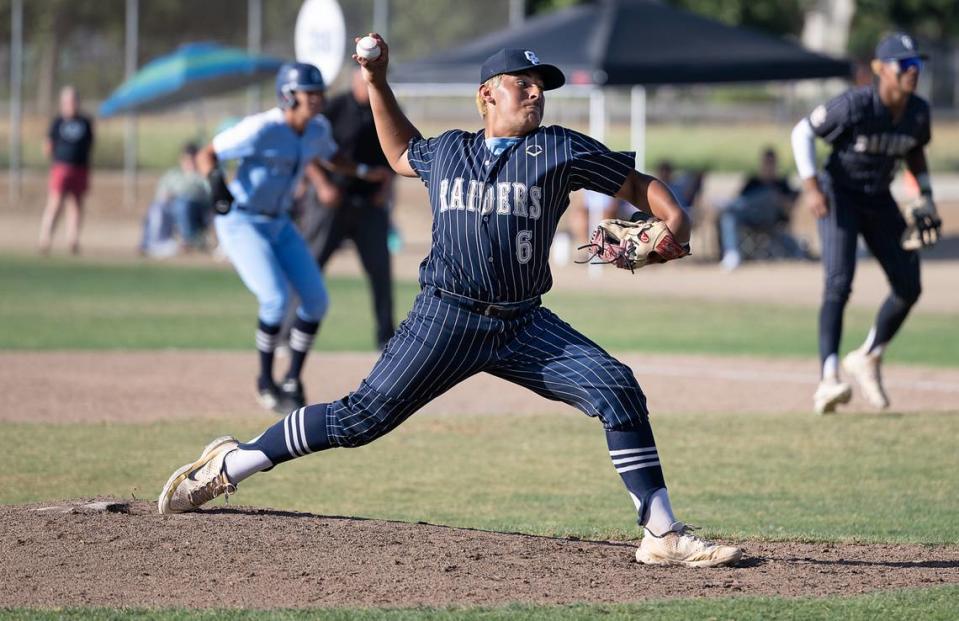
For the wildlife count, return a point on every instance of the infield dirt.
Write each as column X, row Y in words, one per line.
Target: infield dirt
column 166, row 385
column 260, row 558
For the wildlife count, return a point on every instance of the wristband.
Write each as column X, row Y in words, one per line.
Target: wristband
column 925, row 184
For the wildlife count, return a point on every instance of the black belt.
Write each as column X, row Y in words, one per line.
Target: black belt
column 497, row 311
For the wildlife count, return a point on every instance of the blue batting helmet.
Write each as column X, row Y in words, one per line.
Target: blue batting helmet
column 297, row 77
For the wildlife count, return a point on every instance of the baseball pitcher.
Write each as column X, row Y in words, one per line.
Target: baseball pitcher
column 496, row 197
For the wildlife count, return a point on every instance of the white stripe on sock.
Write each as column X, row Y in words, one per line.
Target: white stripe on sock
column 301, row 341
column 634, row 458
column 266, row 342
column 637, row 467
column 306, row 447
column 286, row 434
column 651, row 449
column 295, row 433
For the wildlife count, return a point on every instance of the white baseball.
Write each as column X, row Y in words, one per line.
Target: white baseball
column 367, row 48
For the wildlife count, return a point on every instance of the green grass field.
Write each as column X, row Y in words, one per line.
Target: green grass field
column 937, row 604
column 859, row 478
column 870, row 478
column 64, row 304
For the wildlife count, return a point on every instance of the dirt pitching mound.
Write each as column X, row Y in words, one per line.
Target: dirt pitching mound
column 124, row 554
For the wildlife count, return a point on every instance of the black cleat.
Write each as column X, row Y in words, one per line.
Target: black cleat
column 291, row 396
column 269, row 396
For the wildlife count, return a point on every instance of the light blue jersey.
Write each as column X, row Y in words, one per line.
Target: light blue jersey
column 272, row 159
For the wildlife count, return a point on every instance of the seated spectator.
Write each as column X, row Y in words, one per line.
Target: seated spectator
column 764, row 205
column 181, row 207
column 685, row 187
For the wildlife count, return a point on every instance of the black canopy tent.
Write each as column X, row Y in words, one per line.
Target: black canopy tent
column 629, row 42
column 634, row 43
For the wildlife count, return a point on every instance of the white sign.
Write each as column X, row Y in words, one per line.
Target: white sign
column 320, row 37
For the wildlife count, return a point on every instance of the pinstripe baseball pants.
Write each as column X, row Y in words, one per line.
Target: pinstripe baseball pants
column 441, row 344
column 878, row 220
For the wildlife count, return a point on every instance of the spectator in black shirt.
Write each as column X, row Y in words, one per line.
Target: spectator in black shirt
column 68, row 145
column 353, row 207
column 764, row 204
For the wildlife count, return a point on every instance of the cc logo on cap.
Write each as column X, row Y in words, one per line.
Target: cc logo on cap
column 531, row 56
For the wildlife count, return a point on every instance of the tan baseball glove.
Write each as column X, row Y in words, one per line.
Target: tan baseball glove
column 923, row 225
column 632, row 245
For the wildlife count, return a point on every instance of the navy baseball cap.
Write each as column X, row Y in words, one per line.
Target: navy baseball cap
column 516, row 60
column 898, row 46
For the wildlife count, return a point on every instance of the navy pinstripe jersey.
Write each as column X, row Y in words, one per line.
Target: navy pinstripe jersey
column 866, row 144
column 494, row 216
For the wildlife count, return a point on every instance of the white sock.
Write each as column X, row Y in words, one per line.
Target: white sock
column 870, row 346
column 661, row 518
column 830, row 368
column 241, row 464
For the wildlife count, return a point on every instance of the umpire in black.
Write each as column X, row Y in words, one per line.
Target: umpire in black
column 355, row 208
column 871, row 130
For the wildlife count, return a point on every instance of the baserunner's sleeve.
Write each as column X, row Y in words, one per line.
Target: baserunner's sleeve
column 593, row 166
column 238, row 141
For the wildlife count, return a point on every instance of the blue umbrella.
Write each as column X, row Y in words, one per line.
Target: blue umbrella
column 193, row 71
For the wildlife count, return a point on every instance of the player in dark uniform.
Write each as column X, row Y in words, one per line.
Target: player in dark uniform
column 870, row 129
column 496, row 196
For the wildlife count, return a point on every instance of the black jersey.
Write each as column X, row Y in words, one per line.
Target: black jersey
column 72, row 140
column 866, row 143
column 494, row 216
column 355, row 133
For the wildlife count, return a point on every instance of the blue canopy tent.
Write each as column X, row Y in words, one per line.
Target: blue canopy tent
column 193, row 71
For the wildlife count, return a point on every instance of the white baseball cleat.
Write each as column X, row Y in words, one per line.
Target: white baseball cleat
column 831, row 392
column 680, row 547
column 199, row 482
column 864, row 368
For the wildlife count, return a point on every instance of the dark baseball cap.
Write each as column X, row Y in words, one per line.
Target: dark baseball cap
column 897, row 46
column 516, row 60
